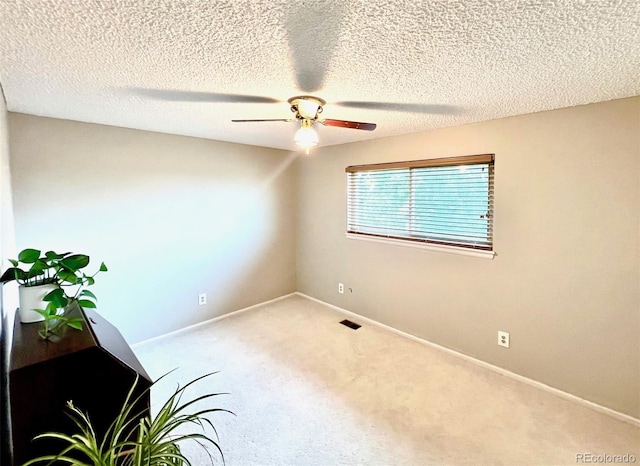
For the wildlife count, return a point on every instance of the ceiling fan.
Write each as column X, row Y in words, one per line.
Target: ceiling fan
column 307, row 108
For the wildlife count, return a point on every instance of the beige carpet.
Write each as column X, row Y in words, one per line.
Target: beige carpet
column 309, row 391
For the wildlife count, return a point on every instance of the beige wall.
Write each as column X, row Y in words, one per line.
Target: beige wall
column 8, row 292
column 171, row 216
column 566, row 279
column 194, row 215
column 7, row 240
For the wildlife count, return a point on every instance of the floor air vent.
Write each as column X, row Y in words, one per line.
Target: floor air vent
column 350, row 324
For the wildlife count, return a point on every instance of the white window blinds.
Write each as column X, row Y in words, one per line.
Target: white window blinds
column 442, row 201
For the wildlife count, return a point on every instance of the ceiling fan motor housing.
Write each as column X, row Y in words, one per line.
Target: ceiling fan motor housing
column 306, row 107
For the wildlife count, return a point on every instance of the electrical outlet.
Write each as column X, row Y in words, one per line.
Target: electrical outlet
column 340, row 288
column 202, row 299
column 503, row 339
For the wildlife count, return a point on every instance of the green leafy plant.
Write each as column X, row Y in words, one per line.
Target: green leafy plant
column 71, row 287
column 65, row 271
column 35, row 271
column 134, row 441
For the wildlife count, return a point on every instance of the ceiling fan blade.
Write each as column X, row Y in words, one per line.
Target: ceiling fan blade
column 253, row 121
column 401, row 107
column 304, row 24
column 349, row 124
column 172, row 95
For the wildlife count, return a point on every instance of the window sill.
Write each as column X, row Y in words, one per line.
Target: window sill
column 431, row 247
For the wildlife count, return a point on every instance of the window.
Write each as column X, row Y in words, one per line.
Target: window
column 439, row 201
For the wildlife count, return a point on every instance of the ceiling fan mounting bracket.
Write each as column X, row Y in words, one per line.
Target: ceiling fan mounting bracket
column 306, row 107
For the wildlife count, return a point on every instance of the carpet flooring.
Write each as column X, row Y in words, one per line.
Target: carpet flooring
column 306, row 390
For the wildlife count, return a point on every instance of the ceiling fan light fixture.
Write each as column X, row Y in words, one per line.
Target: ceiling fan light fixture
column 306, row 137
column 307, row 108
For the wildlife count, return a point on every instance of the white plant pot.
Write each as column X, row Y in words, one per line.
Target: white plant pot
column 30, row 299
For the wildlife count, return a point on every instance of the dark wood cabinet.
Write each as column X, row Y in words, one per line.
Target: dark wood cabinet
column 95, row 368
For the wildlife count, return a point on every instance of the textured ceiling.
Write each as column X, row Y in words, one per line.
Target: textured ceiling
column 190, row 66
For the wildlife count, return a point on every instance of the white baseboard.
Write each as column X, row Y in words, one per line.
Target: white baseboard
column 207, row 322
column 512, row 375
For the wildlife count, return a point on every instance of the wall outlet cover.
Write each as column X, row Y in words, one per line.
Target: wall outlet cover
column 503, row 339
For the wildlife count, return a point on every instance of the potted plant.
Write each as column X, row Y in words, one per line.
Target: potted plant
column 50, row 285
column 133, row 441
column 36, row 279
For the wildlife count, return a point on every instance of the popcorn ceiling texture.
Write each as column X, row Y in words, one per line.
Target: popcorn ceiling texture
column 139, row 64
